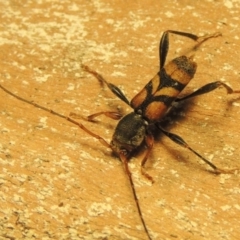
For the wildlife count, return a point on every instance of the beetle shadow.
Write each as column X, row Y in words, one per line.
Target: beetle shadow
column 176, row 114
column 231, row 102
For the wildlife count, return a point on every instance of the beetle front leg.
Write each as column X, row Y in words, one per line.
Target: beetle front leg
column 110, row 114
column 124, row 161
column 149, row 140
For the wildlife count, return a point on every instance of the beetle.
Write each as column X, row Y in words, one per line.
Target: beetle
column 150, row 106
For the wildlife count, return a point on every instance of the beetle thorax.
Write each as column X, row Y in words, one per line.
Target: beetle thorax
column 129, row 133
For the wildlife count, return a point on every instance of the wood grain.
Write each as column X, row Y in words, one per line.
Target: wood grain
column 56, row 182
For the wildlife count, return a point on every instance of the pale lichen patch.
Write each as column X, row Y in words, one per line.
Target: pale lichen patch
column 96, row 209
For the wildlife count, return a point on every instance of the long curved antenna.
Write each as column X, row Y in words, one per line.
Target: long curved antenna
column 129, row 174
column 102, row 140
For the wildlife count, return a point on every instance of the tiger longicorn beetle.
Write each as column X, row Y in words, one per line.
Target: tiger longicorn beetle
column 150, row 105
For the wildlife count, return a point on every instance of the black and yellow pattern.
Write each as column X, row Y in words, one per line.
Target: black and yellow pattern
column 157, row 96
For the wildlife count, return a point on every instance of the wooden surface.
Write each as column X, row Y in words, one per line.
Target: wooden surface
column 56, row 182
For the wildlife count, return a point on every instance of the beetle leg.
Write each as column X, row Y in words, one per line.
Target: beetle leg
column 114, row 89
column 164, row 43
column 149, row 140
column 175, row 138
column 208, row 88
column 124, row 160
column 113, row 115
column 102, row 140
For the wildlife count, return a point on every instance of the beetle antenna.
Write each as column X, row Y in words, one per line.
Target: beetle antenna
column 102, row 140
column 129, row 174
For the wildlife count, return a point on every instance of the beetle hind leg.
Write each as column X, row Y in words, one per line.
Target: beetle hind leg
column 164, row 42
